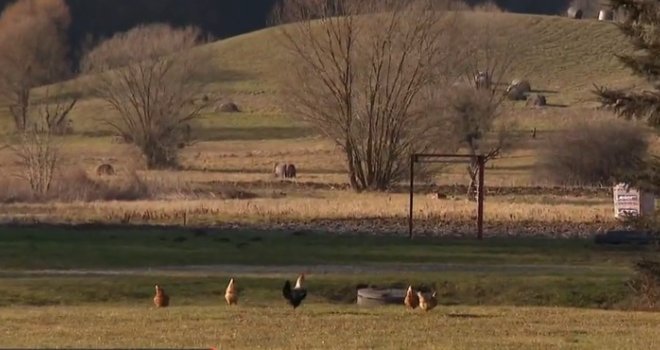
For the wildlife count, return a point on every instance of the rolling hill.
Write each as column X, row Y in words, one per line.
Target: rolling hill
column 560, row 56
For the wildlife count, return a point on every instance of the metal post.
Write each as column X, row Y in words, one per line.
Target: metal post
column 480, row 198
column 413, row 159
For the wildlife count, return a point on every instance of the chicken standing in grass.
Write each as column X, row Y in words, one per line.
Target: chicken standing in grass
column 161, row 299
column 411, row 300
column 296, row 295
column 231, row 295
column 427, row 303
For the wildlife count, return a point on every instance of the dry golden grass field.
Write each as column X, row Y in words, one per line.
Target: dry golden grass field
column 561, row 57
column 268, row 326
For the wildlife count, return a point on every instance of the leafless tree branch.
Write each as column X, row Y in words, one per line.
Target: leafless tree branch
column 148, row 78
column 359, row 73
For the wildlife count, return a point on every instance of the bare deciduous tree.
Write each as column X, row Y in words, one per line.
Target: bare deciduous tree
column 473, row 109
column 358, row 72
column 148, row 77
column 52, row 112
column 37, row 154
column 33, row 51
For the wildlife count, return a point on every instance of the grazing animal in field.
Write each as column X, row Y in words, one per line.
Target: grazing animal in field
column 231, row 294
column 427, row 303
column 411, row 300
column 296, row 295
column 280, row 170
column 105, row 169
column 290, row 172
column 161, row 299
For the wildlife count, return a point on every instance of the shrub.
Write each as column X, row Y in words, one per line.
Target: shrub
column 647, row 283
column 151, row 83
column 76, row 185
column 37, row 155
column 592, row 153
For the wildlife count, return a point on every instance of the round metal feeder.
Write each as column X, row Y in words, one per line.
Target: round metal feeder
column 377, row 297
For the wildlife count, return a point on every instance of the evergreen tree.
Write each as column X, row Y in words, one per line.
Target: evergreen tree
column 642, row 28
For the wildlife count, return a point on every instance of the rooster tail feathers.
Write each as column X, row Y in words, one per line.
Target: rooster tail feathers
column 286, row 290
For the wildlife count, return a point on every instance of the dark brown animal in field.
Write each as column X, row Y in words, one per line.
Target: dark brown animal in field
column 161, row 299
column 105, row 169
column 290, row 172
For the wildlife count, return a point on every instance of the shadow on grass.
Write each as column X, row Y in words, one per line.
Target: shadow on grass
column 544, row 91
column 470, row 316
column 233, row 133
column 253, row 247
column 556, row 105
column 255, row 133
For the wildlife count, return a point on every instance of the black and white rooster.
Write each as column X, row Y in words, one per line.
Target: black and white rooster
column 296, row 295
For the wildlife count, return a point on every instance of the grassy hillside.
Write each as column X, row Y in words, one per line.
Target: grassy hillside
column 555, row 53
column 561, row 57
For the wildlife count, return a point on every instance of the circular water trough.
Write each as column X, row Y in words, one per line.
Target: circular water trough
column 376, row 297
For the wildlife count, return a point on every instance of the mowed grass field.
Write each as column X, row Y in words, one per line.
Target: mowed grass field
column 327, row 327
column 93, row 287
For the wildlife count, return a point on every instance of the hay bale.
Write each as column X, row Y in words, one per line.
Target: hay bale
column 537, row 100
column 605, row 15
column 522, row 84
column 574, row 12
column 518, row 90
column 105, row 169
column 290, row 171
column 280, row 170
column 515, row 94
column 482, row 80
column 229, row 107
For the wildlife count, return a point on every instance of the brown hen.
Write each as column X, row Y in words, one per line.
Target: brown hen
column 231, row 295
column 411, row 300
column 427, row 303
column 161, row 299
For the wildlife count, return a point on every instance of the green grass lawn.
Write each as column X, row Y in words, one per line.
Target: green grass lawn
column 42, row 247
column 485, row 302
column 589, row 289
column 122, row 265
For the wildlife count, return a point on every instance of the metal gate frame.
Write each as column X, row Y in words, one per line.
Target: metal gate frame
column 454, row 158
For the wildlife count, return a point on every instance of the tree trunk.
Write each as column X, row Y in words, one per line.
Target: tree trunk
column 473, row 186
column 20, row 110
